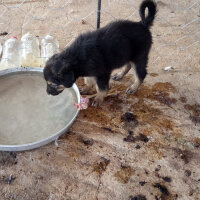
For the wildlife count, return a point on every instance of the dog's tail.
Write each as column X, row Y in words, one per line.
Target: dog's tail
column 147, row 21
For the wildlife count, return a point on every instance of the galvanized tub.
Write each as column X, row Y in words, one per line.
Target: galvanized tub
column 29, row 118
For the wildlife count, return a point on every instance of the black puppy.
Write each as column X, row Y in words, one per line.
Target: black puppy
column 94, row 55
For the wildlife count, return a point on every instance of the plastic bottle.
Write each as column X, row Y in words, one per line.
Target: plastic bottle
column 0, row 48
column 49, row 47
column 11, row 54
column 30, row 51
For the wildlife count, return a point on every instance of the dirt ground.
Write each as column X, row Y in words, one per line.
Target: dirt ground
column 144, row 146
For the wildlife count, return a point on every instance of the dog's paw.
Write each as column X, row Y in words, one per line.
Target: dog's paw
column 117, row 76
column 131, row 90
column 97, row 102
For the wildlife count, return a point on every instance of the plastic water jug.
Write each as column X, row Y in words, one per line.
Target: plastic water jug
column 11, row 54
column 49, row 47
column 0, row 48
column 30, row 51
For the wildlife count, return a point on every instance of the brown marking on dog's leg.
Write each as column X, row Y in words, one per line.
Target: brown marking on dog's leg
column 98, row 100
column 87, row 89
column 102, row 88
column 118, row 76
column 134, row 87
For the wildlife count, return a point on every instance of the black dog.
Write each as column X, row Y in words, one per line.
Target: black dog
column 94, row 55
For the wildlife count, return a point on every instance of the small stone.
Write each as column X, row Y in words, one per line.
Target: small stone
column 188, row 172
column 138, row 197
column 128, row 117
column 137, row 146
column 143, row 138
column 83, row 22
column 162, row 189
column 87, row 141
column 167, row 179
column 168, row 68
column 142, row 183
column 108, row 129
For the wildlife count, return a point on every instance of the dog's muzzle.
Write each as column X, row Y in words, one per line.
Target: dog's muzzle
column 54, row 89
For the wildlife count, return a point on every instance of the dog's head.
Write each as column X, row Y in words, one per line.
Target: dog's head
column 58, row 75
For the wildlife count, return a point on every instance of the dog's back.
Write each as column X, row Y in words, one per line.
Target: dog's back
column 123, row 41
column 120, row 41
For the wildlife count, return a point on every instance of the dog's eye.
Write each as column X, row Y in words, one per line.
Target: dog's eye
column 52, row 84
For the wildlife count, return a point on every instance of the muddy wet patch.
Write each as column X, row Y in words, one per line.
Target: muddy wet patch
column 158, row 92
column 194, row 111
column 163, row 99
column 114, row 103
column 8, row 158
column 153, row 74
column 132, row 138
column 101, row 165
column 185, row 155
column 124, row 174
column 8, row 179
column 183, row 99
column 97, row 115
column 197, row 142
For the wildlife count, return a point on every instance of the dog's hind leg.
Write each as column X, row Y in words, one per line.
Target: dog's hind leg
column 139, row 73
column 102, row 89
column 89, row 84
column 118, row 76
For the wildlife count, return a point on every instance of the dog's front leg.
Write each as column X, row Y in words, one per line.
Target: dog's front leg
column 89, row 83
column 102, row 88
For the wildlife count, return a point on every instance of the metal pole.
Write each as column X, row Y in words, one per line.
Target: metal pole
column 98, row 14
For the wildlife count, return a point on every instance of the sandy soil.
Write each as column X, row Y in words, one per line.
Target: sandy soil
column 142, row 146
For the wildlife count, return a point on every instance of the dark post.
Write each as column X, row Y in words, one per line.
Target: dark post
column 98, row 13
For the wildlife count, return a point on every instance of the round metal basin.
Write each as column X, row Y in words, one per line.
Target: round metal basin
column 29, row 118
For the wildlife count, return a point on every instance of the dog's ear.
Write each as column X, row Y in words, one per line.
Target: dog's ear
column 62, row 70
column 68, row 78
